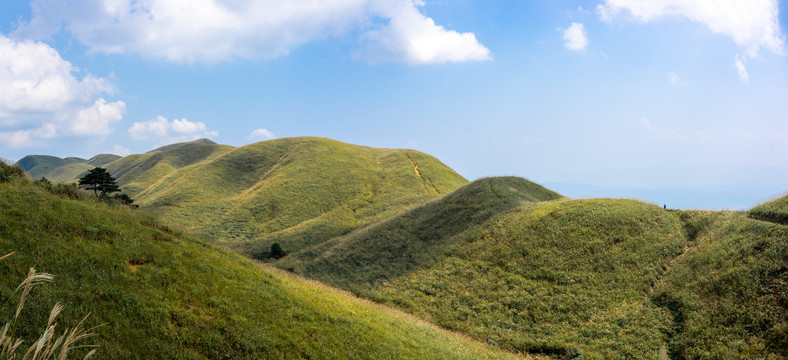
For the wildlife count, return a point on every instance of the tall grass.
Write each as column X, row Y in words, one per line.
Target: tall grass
column 46, row 346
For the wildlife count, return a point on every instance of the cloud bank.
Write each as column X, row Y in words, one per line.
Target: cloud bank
column 165, row 131
column 211, row 31
column 752, row 24
column 40, row 98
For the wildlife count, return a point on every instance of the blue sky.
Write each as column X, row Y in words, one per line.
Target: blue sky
column 680, row 101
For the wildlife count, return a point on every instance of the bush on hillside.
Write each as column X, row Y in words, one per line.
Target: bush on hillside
column 9, row 173
column 276, row 251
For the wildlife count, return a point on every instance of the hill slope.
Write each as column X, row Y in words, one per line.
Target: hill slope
column 774, row 211
column 62, row 170
column 297, row 191
column 399, row 244
column 611, row 278
column 160, row 294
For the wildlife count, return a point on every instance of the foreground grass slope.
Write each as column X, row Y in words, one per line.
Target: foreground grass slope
column 297, row 192
column 160, row 294
column 408, row 241
column 728, row 293
column 612, row 279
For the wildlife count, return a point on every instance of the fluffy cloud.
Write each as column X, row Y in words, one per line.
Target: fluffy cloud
column 24, row 138
column 170, row 131
column 216, row 30
column 40, row 98
column 95, row 120
column 752, row 24
column 259, row 134
column 575, row 36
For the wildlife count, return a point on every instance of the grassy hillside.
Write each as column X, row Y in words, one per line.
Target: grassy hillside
column 397, row 245
column 42, row 165
column 297, row 191
column 137, row 172
column 160, row 294
column 728, row 293
column 774, row 211
column 62, row 170
column 606, row 278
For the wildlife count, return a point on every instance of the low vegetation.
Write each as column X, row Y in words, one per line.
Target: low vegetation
column 601, row 278
column 161, row 294
column 409, row 241
column 774, row 211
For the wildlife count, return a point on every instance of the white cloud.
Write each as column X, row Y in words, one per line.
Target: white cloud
column 413, row 38
column 752, row 24
column 95, row 120
column 40, row 98
column 575, row 36
column 120, row 150
column 741, row 69
column 170, row 131
column 264, row 134
column 25, row 138
column 214, row 31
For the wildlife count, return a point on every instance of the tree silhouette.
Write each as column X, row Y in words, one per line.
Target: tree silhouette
column 100, row 181
column 276, row 251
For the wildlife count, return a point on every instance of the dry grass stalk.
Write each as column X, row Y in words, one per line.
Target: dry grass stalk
column 45, row 348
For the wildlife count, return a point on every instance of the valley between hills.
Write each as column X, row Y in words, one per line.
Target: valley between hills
column 387, row 254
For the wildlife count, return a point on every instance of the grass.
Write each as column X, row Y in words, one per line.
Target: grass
column 606, row 278
column 549, row 277
column 162, row 294
column 728, row 294
column 59, row 170
column 774, row 211
column 399, row 244
column 297, row 192
column 42, row 165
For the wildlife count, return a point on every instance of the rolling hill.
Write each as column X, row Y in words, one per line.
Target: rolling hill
column 155, row 293
column 409, row 241
column 606, row 278
column 297, row 192
column 62, row 170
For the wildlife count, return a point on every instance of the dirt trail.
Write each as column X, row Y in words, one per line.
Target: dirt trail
column 418, row 173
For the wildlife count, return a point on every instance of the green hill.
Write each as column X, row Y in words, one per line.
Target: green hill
column 297, row 191
column 41, row 165
column 62, row 170
column 160, row 294
column 399, row 244
column 774, row 211
column 609, row 278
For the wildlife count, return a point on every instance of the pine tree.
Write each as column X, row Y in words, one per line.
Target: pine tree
column 100, row 181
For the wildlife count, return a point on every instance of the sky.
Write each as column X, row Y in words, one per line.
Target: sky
column 681, row 102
